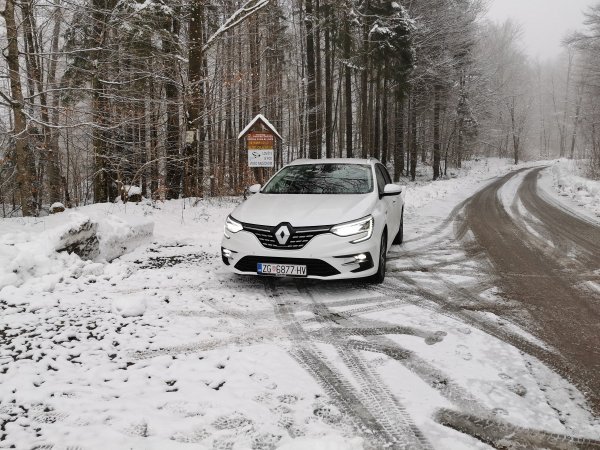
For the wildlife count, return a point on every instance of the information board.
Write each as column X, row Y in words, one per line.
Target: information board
column 261, row 149
column 261, row 158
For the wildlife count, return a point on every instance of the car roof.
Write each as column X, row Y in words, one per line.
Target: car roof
column 369, row 161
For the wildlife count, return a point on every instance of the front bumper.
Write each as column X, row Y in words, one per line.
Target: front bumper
column 327, row 256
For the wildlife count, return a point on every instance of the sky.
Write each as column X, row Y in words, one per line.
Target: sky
column 545, row 22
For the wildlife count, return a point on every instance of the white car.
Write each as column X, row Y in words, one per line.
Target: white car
column 326, row 219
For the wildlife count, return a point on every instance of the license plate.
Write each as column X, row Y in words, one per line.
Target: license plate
column 281, row 270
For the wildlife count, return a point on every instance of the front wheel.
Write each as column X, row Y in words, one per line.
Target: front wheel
column 400, row 235
column 380, row 275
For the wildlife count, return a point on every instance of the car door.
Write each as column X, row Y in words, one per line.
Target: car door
column 389, row 203
column 386, row 203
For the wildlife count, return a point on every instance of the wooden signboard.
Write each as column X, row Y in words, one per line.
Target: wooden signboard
column 260, row 141
column 260, row 137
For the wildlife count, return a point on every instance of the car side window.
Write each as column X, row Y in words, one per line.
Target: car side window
column 386, row 175
column 380, row 179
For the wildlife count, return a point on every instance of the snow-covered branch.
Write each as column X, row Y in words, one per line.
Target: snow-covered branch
column 248, row 9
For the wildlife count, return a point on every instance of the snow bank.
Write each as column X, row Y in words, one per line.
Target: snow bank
column 580, row 191
column 28, row 256
column 424, row 191
column 118, row 236
column 36, row 254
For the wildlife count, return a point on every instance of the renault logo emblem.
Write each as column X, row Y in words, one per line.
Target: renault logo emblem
column 282, row 234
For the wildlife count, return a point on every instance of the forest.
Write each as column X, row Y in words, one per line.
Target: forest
column 100, row 95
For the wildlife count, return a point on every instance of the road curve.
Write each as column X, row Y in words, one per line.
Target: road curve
column 579, row 237
column 547, row 284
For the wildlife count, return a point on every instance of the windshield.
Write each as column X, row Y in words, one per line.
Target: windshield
column 322, row 179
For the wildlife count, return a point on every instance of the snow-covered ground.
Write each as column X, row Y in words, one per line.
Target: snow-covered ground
column 162, row 348
column 567, row 186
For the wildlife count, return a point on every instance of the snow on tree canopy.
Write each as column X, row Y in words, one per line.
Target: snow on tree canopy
column 390, row 35
column 379, row 30
column 150, row 5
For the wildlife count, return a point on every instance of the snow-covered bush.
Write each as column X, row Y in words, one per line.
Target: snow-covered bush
column 132, row 193
column 57, row 208
column 583, row 191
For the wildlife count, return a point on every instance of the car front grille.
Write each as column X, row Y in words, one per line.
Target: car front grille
column 314, row 267
column 299, row 237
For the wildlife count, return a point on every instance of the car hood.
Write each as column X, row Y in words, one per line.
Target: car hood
column 304, row 210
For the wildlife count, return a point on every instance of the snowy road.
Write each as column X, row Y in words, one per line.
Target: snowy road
column 549, row 262
column 163, row 348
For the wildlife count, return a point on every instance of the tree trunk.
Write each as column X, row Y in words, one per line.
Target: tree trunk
column 102, row 171
column 515, row 135
column 255, row 68
column 413, row 138
column 25, row 186
column 563, row 127
column 348, row 91
column 311, row 90
column 243, row 160
column 364, row 96
column 384, row 124
column 575, row 126
column 172, row 148
column 54, row 175
column 195, row 103
column 318, row 77
column 376, row 98
column 437, row 145
column 35, row 78
column 328, row 96
column 399, row 135
column 460, row 144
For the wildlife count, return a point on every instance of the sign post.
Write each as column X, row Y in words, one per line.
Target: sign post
column 260, row 136
column 261, row 149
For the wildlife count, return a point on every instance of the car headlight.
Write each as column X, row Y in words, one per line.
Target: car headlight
column 362, row 228
column 232, row 226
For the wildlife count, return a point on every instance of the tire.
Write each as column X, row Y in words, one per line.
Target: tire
column 378, row 277
column 400, row 235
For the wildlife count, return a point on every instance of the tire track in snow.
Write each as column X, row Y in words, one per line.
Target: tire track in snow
column 372, row 409
column 480, row 422
column 440, row 305
column 389, row 411
column 502, row 435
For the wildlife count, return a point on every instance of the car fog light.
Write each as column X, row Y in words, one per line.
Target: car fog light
column 227, row 255
column 360, row 258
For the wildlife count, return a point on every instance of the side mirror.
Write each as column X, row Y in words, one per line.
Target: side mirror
column 254, row 189
column 391, row 190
